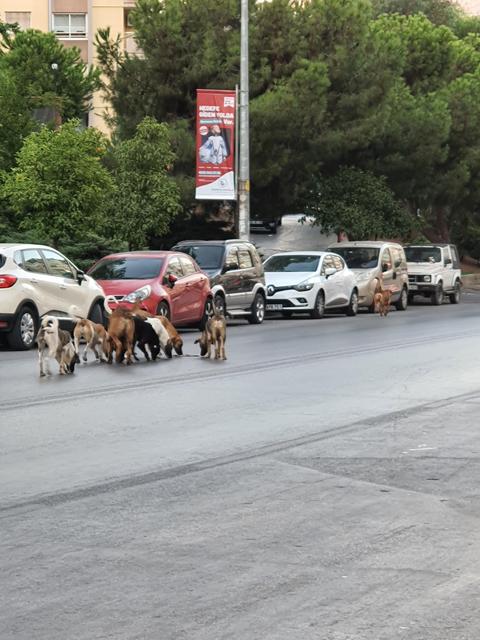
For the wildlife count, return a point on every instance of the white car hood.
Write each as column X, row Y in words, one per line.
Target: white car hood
column 281, row 279
column 425, row 268
column 365, row 274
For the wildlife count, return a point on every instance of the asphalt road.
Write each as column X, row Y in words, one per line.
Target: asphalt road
column 320, row 484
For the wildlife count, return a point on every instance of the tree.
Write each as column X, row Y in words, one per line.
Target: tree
column 15, row 120
column 28, row 56
column 360, row 204
column 147, row 197
column 59, row 189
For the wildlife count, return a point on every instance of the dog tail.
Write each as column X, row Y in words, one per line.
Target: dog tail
column 106, row 306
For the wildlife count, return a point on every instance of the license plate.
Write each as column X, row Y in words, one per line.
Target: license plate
column 274, row 307
column 413, row 287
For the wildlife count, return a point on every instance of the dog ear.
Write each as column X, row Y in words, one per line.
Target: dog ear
column 197, row 341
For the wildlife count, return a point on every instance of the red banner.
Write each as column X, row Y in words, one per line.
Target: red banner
column 215, row 179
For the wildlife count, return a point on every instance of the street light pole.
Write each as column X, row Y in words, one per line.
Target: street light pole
column 244, row 168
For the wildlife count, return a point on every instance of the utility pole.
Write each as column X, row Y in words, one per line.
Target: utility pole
column 244, row 165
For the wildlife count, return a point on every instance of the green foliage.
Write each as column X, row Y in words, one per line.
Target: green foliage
column 28, row 57
column 360, row 204
column 15, row 120
column 147, row 198
column 59, row 189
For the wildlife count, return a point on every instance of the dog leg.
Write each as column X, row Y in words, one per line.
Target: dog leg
column 222, row 349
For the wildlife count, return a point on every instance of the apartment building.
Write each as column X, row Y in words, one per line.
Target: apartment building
column 75, row 22
column 470, row 6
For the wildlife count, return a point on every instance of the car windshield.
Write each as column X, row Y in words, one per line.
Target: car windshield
column 292, row 263
column 127, row 269
column 423, row 254
column 206, row 256
column 359, row 257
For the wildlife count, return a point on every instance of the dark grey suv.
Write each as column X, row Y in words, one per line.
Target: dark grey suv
column 236, row 275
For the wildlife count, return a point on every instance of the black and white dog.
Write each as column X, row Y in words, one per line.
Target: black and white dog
column 53, row 342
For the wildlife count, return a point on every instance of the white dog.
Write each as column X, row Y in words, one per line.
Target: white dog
column 53, row 342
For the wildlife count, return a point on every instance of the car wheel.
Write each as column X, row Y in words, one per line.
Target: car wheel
column 24, row 332
column 258, row 310
column 207, row 313
column 163, row 310
column 273, row 228
column 438, row 295
column 456, row 295
column 352, row 308
column 319, row 310
column 402, row 302
column 219, row 303
column 96, row 314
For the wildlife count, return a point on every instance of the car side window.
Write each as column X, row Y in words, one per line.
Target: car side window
column 386, row 259
column 57, row 265
column 231, row 259
column 187, row 266
column 244, row 258
column 338, row 263
column 30, row 260
column 328, row 263
column 174, row 268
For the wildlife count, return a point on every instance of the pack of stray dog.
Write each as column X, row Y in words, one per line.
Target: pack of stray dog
column 127, row 328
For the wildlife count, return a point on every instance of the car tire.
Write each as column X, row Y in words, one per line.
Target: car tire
column 207, row 313
column 352, row 308
column 25, row 329
column 163, row 310
column 257, row 315
column 220, row 305
column 402, row 303
column 96, row 314
column 273, row 228
column 457, row 293
column 438, row 295
column 319, row 310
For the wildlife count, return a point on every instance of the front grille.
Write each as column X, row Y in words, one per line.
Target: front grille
column 413, row 278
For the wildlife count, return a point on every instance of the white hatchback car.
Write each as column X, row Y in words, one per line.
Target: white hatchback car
column 36, row 280
column 310, row 282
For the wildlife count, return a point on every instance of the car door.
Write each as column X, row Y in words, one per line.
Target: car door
column 248, row 279
column 178, row 292
column 329, row 282
column 390, row 280
column 36, row 281
column 344, row 286
column 448, row 273
column 232, row 279
column 73, row 300
column 193, row 279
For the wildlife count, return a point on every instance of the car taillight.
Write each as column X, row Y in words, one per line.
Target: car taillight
column 7, row 281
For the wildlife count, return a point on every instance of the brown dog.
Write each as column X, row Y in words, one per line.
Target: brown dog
column 173, row 334
column 121, row 334
column 215, row 333
column 95, row 335
column 382, row 299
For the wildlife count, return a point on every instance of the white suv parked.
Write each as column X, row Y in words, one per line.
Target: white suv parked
column 434, row 272
column 36, row 280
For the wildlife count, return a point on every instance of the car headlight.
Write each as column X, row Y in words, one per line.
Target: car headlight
column 271, row 289
column 139, row 295
column 304, row 286
column 427, row 278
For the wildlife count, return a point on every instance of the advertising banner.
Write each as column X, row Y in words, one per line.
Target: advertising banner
column 215, row 145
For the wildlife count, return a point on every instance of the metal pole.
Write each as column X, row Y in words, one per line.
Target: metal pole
column 244, row 167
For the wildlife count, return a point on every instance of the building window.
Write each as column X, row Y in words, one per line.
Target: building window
column 70, row 25
column 22, row 18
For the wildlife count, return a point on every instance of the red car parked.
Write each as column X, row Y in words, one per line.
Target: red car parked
column 164, row 282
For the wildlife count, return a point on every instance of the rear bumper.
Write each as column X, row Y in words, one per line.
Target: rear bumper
column 7, row 320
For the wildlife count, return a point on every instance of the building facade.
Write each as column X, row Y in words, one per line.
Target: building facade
column 75, row 22
column 471, row 7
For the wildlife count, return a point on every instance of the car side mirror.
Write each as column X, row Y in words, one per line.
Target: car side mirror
column 447, row 262
column 384, row 267
column 397, row 263
column 230, row 266
column 170, row 280
column 330, row 271
column 80, row 277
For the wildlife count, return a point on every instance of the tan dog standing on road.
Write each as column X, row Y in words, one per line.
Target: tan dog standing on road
column 382, row 299
column 95, row 335
column 215, row 333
